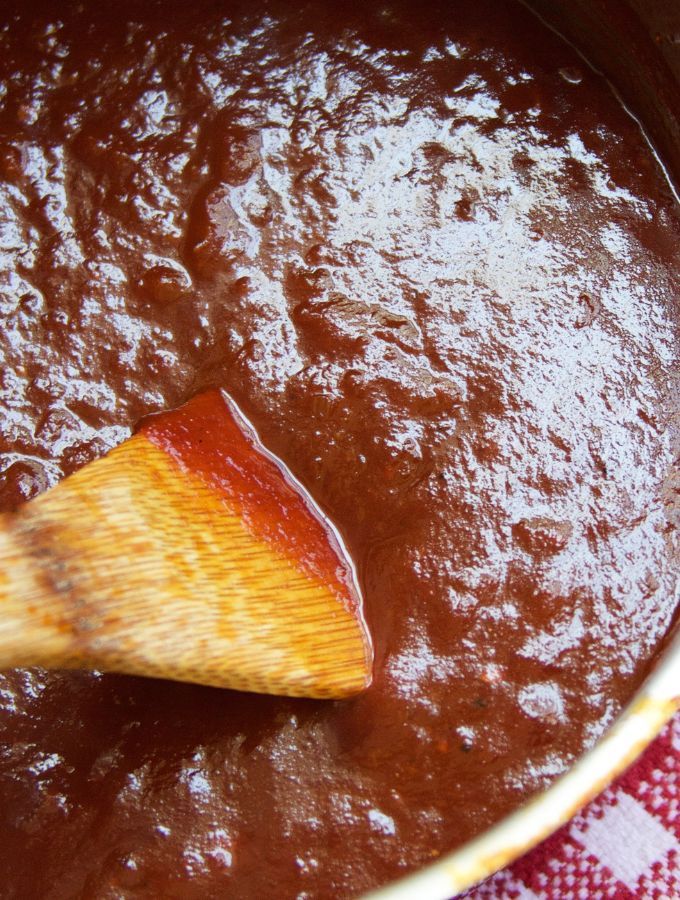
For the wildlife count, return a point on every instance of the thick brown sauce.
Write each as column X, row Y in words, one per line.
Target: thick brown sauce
column 437, row 265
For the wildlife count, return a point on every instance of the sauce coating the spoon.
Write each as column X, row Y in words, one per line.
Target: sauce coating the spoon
column 436, row 264
column 210, row 438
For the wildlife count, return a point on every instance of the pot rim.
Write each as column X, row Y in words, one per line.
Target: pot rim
column 635, row 728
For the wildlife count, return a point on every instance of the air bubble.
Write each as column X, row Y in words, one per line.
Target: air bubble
column 572, row 75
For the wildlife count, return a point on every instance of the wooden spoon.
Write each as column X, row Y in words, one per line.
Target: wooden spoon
column 186, row 553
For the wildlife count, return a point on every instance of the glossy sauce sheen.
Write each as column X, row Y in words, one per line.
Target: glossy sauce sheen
column 436, row 264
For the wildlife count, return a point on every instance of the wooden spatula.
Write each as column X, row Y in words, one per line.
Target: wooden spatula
column 186, row 553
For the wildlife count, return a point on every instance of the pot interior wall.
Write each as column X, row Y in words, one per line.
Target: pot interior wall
column 636, row 43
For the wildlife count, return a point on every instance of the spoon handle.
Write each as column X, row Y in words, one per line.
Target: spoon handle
column 30, row 624
column 82, row 569
column 135, row 565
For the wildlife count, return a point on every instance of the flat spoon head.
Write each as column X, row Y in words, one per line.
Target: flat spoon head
column 189, row 553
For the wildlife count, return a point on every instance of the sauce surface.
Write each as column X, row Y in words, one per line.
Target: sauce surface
column 436, row 264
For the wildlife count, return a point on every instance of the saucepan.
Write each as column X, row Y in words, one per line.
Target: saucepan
column 636, row 44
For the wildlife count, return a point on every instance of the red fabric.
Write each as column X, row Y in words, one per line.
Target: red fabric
column 625, row 844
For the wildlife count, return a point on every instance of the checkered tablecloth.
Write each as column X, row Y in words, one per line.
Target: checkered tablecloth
column 625, row 844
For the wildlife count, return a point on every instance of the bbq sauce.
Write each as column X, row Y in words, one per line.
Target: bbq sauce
column 435, row 263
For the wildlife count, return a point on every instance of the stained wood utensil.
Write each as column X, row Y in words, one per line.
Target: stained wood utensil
column 186, row 553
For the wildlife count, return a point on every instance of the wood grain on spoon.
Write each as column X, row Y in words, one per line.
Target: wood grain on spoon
column 186, row 553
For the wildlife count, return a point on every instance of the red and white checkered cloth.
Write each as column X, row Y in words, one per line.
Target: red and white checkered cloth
column 625, row 844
